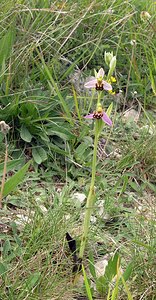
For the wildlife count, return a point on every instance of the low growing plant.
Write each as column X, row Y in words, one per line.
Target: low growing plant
column 8, row 186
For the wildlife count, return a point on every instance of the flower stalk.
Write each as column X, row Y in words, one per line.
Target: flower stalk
column 100, row 117
column 91, row 195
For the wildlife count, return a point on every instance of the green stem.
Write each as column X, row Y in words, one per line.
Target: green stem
column 91, row 195
column 4, row 171
column 99, row 98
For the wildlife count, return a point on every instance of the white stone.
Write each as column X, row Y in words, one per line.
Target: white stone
column 100, row 204
column 131, row 115
column 22, row 220
column 93, row 219
column 80, row 197
column 100, row 266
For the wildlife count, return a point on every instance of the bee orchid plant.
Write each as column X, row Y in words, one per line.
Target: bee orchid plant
column 100, row 117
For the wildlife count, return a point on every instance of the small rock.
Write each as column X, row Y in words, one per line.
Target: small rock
column 100, row 266
column 93, row 219
column 100, row 206
column 131, row 115
column 22, row 220
column 79, row 198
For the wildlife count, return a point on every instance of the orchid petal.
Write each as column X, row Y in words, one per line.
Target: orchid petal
column 106, row 119
column 90, row 84
column 106, row 86
column 90, row 116
column 101, row 73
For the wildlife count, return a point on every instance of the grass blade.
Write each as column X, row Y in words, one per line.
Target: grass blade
column 88, row 290
column 12, row 183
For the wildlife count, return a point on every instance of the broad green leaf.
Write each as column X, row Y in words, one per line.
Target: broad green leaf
column 83, row 146
column 36, row 156
column 111, row 268
column 57, row 149
column 91, row 265
column 110, row 271
column 25, row 134
column 39, row 155
column 10, row 165
column 128, row 271
column 44, row 137
column 32, row 280
column 3, row 269
column 61, row 132
column 102, row 285
column 80, row 149
column 6, row 247
column 17, row 178
column 42, row 153
column 134, row 186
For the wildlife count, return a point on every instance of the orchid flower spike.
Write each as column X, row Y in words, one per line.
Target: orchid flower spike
column 98, row 83
column 100, row 114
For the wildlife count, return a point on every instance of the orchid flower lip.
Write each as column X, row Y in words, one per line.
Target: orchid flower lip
column 99, row 115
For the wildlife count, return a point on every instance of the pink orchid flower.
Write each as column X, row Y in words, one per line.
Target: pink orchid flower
column 100, row 114
column 98, row 83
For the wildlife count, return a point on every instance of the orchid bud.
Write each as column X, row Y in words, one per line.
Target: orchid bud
column 108, row 57
column 112, row 66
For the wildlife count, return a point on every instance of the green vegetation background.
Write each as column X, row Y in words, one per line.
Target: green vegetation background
column 47, row 49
